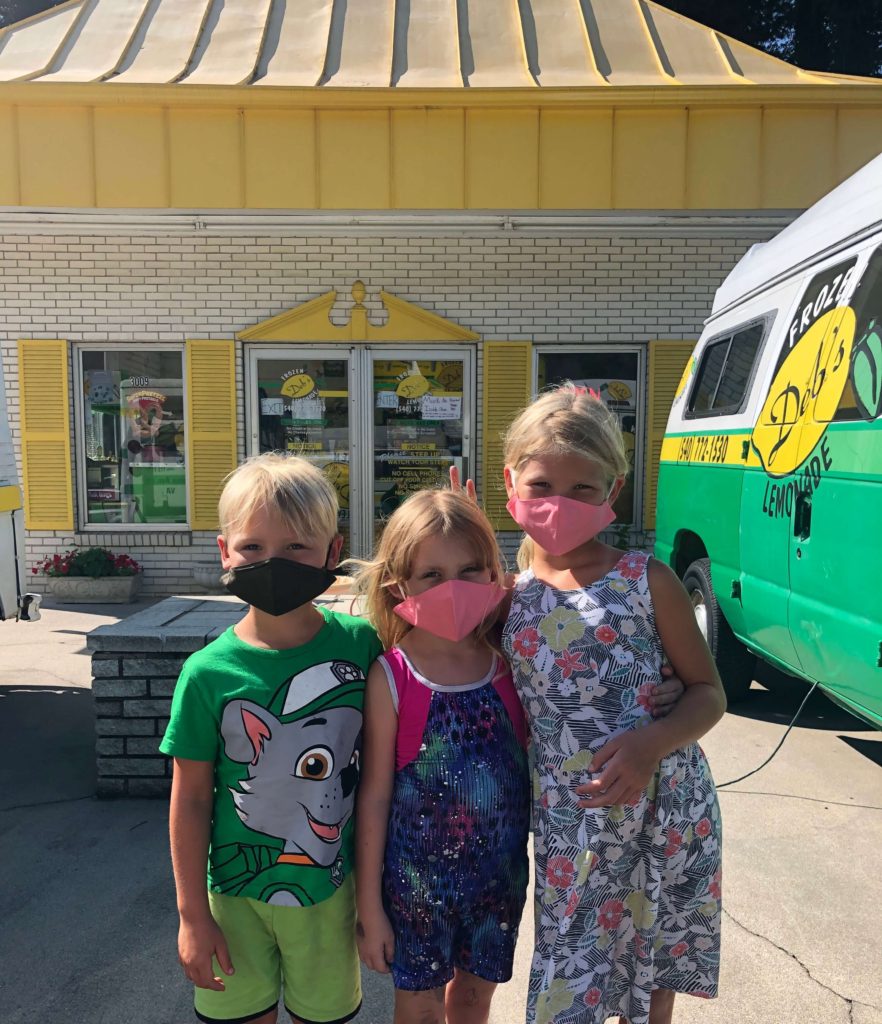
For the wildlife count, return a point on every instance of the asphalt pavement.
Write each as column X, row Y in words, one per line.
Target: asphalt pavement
column 87, row 911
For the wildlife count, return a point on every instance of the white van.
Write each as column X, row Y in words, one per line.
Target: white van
column 14, row 602
column 770, row 484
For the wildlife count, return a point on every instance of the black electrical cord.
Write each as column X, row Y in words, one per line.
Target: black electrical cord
column 741, row 778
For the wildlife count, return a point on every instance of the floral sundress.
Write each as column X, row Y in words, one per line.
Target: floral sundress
column 627, row 897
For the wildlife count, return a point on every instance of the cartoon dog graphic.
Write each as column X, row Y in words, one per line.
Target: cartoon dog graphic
column 302, row 755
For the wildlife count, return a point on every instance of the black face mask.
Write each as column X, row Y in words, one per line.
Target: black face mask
column 277, row 585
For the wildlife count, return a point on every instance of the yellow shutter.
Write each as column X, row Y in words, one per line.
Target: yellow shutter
column 211, row 426
column 508, row 371
column 44, row 398
column 666, row 362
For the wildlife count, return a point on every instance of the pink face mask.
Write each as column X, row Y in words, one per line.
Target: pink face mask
column 558, row 524
column 451, row 610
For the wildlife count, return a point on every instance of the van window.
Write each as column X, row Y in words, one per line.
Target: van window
column 725, row 371
column 861, row 397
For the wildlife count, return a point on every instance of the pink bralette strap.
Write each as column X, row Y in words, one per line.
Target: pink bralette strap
column 504, row 685
column 412, row 701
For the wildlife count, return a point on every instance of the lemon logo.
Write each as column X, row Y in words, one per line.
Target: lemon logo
column 450, row 376
column 299, row 385
column 338, row 474
column 414, row 385
column 805, row 393
column 618, row 390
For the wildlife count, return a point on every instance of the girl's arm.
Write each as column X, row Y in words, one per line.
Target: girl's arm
column 376, row 943
column 628, row 761
column 199, row 937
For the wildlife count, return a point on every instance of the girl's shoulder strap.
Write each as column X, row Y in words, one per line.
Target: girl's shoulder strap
column 503, row 683
column 411, row 700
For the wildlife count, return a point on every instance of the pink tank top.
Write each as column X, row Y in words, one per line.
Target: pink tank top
column 413, row 697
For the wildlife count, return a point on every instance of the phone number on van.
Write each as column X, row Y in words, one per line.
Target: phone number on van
column 703, row 448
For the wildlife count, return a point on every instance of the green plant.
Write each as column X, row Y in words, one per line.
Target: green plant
column 92, row 562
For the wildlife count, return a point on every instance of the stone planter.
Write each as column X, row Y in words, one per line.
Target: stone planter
column 207, row 575
column 86, row 590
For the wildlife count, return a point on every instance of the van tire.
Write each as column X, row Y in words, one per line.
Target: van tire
column 735, row 663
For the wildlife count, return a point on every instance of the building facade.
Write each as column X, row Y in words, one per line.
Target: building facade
column 368, row 233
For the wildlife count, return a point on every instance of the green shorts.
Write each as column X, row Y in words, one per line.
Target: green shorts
column 309, row 952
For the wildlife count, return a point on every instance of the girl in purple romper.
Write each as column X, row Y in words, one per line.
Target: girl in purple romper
column 443, row 808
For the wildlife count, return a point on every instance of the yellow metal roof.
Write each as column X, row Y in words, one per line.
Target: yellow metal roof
column 382, row 43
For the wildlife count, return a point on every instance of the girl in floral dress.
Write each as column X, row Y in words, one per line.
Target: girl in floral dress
column 627, row 821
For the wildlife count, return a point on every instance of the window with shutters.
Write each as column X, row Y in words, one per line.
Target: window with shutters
column 132, row 437
column 617, row 376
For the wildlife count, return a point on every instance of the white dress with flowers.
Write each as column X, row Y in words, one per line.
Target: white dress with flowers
column 627, row 897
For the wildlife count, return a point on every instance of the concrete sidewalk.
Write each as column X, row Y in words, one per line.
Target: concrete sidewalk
column 87, row 904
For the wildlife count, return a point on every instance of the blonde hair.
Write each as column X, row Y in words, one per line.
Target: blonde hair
column 429, row 513
column 565, row 420
column 296, row 490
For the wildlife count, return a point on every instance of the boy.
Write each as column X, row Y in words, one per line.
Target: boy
column 265, row 732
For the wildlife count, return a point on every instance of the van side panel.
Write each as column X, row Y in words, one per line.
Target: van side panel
column 698, row 506
column 836, row 567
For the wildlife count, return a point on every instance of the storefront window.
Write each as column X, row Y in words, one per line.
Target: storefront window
column 615, row 376
column 132, row 437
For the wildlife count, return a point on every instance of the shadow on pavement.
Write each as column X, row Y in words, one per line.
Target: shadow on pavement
column 47, row 745
column 778, row 697
column 870, row 749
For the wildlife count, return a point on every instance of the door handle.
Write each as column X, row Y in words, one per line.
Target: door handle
column 802, row 518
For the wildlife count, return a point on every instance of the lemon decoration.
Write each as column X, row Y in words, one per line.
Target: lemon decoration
column 414, row 384
column 338, row 474
column 805, row 393
column 298, row 386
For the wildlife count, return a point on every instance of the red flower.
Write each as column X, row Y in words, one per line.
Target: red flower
column 703, row 828
column 526, row 643
column 606, row 634
column 572, row 903
column 560, row 872
column 569, row 663
column 715, row 888
column 592, row 997
column 644, row 696
column 675, row 841
column 631, row 567
column 679, row 949
column 610, row 914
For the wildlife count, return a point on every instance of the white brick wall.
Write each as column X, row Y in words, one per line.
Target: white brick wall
column 145, row 289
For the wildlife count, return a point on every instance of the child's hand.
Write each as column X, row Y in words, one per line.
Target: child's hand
column 197, row 943
column 666, row 693
column 456, row 484
column 376, row 941
column 628, row 762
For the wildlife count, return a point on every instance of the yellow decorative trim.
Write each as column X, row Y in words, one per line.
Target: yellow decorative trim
column 846, row 93
column 311, row 322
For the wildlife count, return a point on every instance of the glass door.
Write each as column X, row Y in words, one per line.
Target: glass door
column 380, row 422
column 300, row 402
column 420, row 424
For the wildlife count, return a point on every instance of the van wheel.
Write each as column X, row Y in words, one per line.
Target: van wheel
column 735, row 663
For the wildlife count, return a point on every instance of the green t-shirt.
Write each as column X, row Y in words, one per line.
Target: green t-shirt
column 283, row 729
